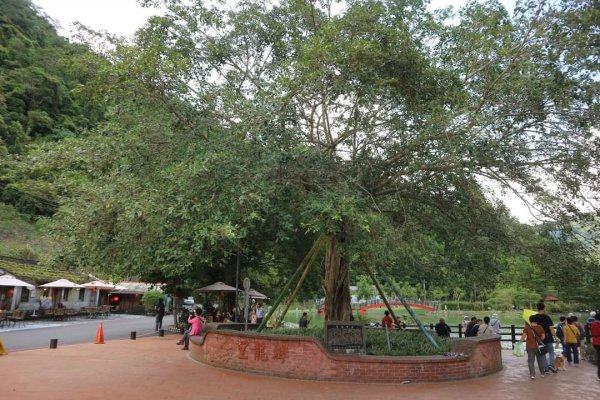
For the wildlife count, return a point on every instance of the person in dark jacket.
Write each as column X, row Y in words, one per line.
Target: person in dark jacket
column 159, row 309
column 303, row 323
column 469, row 331
column 442, row 329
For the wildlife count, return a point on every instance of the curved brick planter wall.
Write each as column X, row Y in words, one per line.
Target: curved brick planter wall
column 305, row 358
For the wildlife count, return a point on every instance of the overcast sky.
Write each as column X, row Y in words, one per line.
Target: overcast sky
column 124, row 17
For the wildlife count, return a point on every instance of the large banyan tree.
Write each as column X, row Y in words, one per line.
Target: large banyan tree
column 367, row 110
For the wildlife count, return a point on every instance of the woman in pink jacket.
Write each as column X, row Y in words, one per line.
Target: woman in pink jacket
column 197, row 323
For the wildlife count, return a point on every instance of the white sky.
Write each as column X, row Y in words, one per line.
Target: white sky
column 124, row 17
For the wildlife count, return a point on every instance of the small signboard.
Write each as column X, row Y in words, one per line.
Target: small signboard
column 345, row 337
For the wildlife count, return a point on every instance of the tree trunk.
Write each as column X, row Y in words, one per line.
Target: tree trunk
column 337, row 288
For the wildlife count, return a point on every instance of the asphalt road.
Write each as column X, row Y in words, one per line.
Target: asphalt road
column 37, row 334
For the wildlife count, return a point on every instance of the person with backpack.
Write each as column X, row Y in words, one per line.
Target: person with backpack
column 572, row 341
column 471, row 325
column 560, row 334
column 495, row 323
column 579, row 327
column 533, row 335
column 159, row 309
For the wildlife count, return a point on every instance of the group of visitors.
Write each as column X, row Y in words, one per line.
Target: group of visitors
column 196, row 321
column 481, row 327
column 540, row 336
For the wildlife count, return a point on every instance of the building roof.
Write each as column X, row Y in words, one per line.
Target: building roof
column 31, row 271
column 134, row 287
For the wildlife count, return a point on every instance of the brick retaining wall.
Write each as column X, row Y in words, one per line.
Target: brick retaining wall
column 301, row 357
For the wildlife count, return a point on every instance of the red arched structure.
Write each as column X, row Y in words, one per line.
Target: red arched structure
column 364, row 309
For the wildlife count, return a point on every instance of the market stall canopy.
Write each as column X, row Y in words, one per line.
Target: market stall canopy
column 98, row 285
column 217, row 287
column 61, row 283
column 9, row 280
column 257, row 295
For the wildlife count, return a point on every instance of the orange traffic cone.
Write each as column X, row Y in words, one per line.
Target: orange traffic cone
column 99, row 335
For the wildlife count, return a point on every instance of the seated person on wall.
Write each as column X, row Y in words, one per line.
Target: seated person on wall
column 304, row 321
column 197, row 323
column 401, row 325
column 387, row 321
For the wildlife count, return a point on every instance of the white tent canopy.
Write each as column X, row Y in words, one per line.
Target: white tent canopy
column 9, row 280
column 98, row 285
column 61, row 283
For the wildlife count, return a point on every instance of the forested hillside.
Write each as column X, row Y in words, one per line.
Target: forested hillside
column 249, row 134
column 41, row 76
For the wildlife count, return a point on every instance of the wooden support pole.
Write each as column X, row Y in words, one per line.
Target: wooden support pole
column 414, row 316
column 316, row 246
column 372, row 275
column 311, row 261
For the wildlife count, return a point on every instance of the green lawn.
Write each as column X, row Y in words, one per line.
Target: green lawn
column 453, row 318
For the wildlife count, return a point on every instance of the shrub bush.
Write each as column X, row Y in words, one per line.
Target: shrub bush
column 402, row 343
column 150, row 298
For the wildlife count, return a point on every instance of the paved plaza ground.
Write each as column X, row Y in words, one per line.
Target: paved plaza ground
column 155, row 368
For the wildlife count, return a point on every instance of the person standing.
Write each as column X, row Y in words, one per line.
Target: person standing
column 475, row 329
column 495, row 323
column 260, row 313
column 485, row 329
column 387, row 321
column 465, row 324
column 470, row 326
column 560, row 333
column 545, row 322
column 572, row 341
column 579, row 327
column 442, row 329
column 159, row 309
column 595, row 333
column 533, row 335
column 591, row 318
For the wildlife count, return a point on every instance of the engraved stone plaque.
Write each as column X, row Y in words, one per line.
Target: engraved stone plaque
column 345, row 337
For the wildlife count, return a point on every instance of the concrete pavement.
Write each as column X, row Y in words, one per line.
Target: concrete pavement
column 155, row 368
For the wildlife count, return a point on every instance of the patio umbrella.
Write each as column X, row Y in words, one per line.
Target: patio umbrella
column 9, row 280
column 61, row 283
column 257, row 295
column 217, row 287
column 98, row 286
